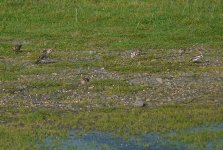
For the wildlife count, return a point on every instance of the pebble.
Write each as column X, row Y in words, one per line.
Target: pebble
column 54, row 74
column 139, row 103
column 148, row 99
column 21, row 87
column 153, row 60
column 160, row 80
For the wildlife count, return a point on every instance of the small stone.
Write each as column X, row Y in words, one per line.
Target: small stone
column 168, row 83
column 153, row 60
column 139, row 103
column 45, row 61
column 91, row 52
column 21, row 88
column 160, row 80
column 168, row 99
column 148, row 99
column 3, row 122
column 91, row 87
column 135, row 53
column 181, row 51
column 54, row 74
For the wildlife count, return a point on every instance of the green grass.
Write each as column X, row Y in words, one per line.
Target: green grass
column 78, row 25
column 199, row 140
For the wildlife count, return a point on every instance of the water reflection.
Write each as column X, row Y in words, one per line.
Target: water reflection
column 96, row 140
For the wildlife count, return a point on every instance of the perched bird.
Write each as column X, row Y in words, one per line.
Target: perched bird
column 135, row 53
column 198, row 58
column 44, row 55
column 17, row 48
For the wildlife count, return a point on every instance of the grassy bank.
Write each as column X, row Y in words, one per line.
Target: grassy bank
column 115, row 25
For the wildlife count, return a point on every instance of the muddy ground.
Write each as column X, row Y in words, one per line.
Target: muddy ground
column 62, row 89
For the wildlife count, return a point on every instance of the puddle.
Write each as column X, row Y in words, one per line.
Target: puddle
column 101, row 140
column 97, row 140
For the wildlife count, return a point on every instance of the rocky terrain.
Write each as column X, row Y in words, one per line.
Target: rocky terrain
column 176, row 80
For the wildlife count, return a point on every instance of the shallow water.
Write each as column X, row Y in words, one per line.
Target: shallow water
column 97, row 140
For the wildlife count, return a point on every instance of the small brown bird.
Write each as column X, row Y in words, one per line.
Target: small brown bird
column 44, row 55
column 17, row 48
